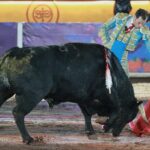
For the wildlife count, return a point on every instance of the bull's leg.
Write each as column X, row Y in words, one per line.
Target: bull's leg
column 88, row 125
column 25, row 104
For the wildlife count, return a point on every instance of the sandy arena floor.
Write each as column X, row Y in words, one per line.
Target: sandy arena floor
column 62, row 128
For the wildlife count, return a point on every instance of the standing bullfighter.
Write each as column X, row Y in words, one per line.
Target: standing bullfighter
column 127, row 33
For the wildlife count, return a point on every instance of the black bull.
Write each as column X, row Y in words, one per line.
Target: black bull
column 73, row 72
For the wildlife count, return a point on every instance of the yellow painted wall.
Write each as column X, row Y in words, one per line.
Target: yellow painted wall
column 94, row 11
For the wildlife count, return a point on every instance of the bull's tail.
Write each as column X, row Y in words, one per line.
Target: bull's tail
column 108, row 76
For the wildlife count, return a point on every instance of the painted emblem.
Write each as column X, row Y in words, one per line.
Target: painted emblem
column 42, row 13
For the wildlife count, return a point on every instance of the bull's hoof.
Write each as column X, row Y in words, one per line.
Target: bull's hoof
column 115, row 133
column 37, row 139
column 92, row 137
column 28, row 140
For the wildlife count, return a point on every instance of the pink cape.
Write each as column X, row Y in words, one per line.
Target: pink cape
column 139, row 126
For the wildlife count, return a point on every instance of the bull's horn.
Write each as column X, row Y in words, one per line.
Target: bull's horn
column 142, row 111
column 140, row 100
